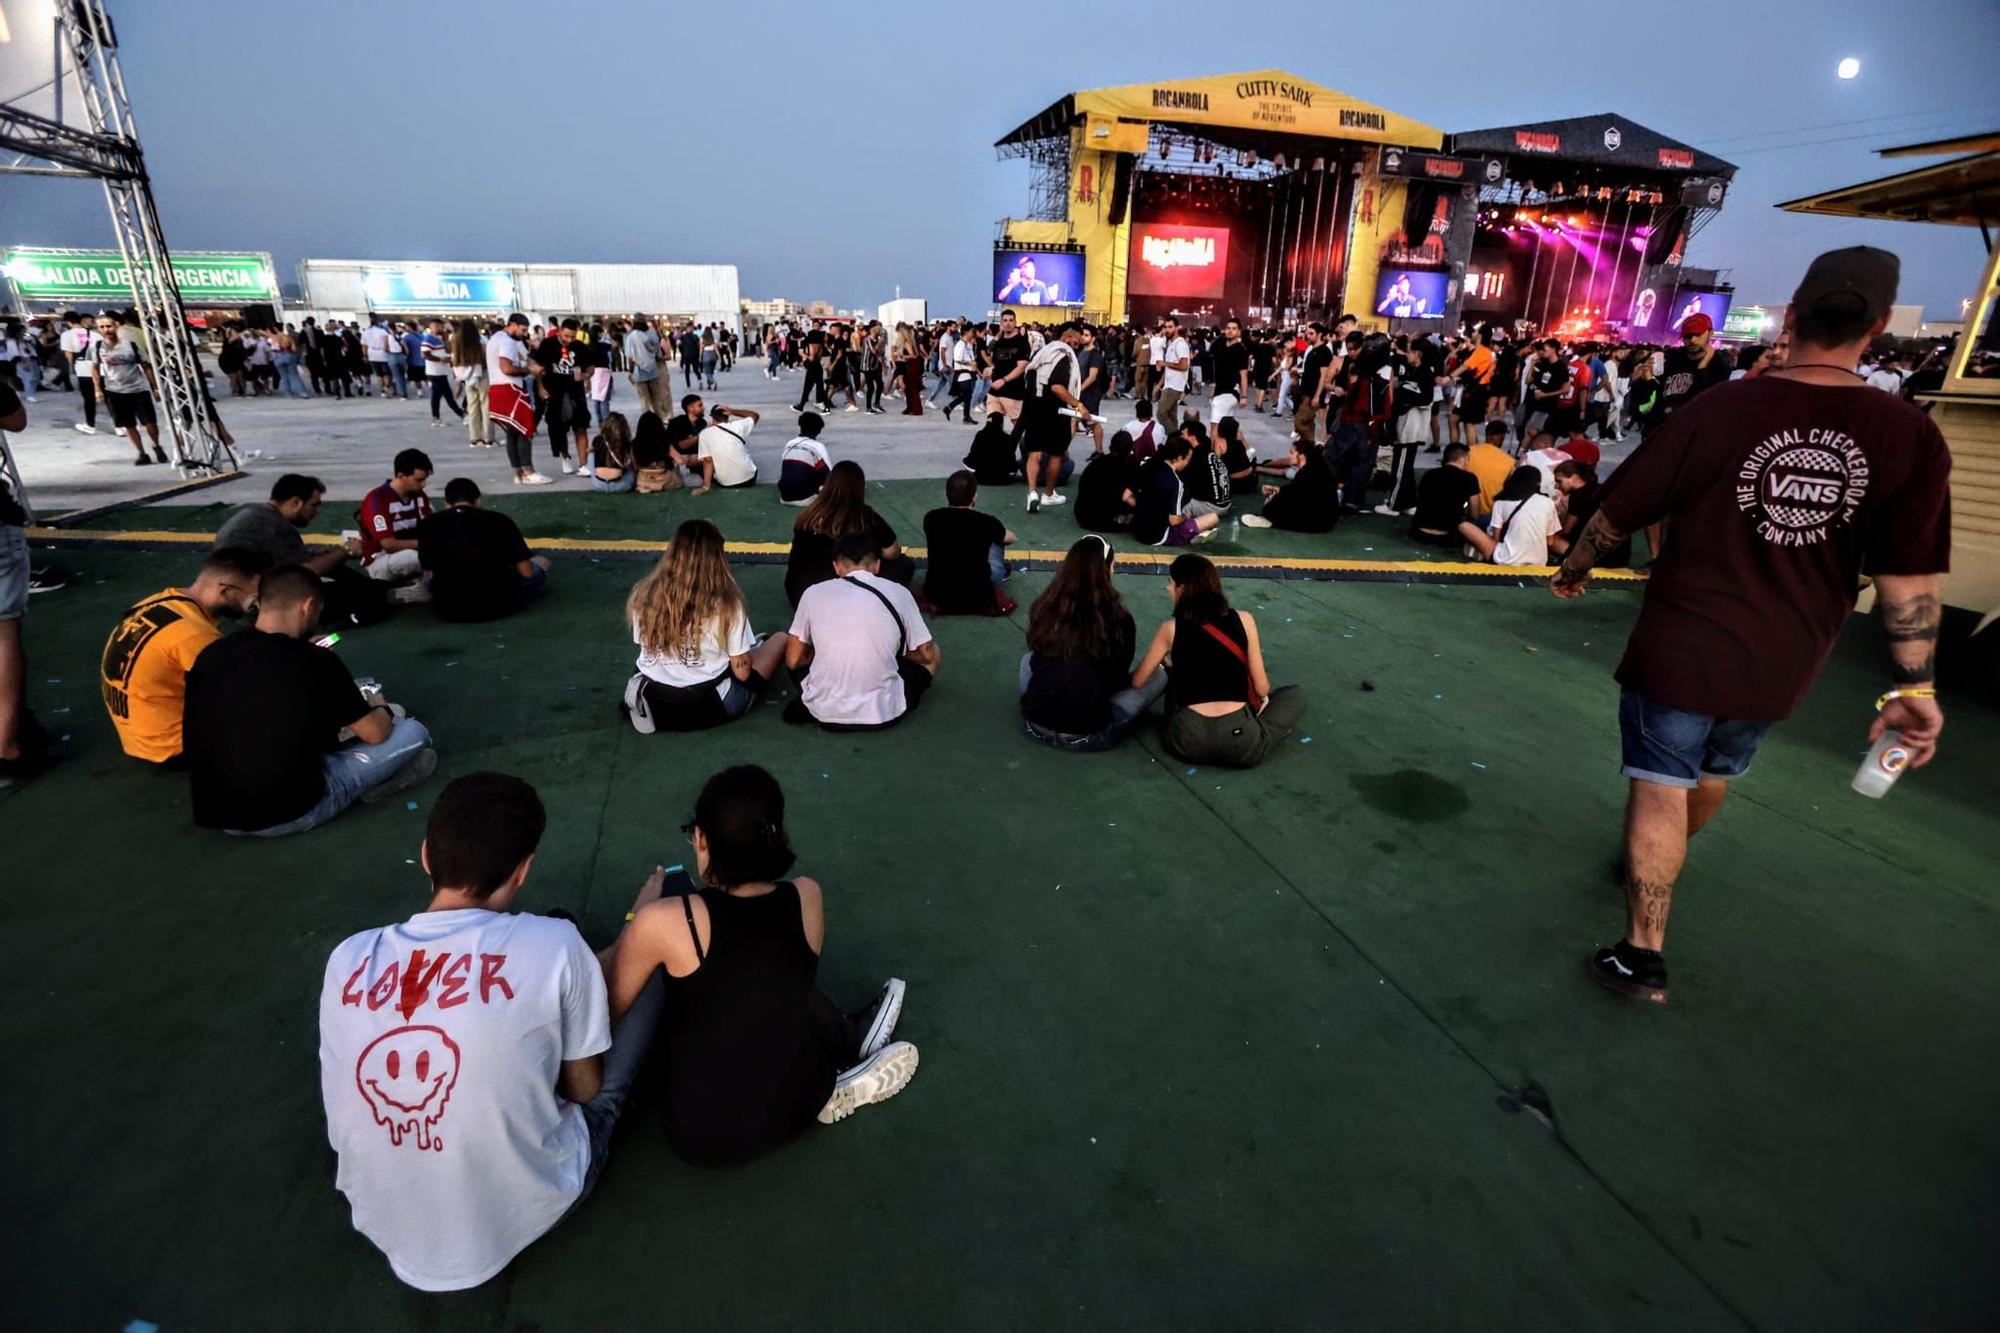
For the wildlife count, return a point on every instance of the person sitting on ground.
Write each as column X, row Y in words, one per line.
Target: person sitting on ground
column 1309, row 502
column 1221, row 708
column 1160, row 506
column 699, row 664
column 271, row 529
column 613, row 468
column 143, row 672
column 722, row 452
column 1238, row 458
column 389, row 516
column 994, row 458
column 1104, row 498
column 1444, row 497
column 840, row 509
column 470, row 1004
column 1584, row 450
column 803, row 466
column 653, row 456
column 265, row 712
column 1491, row 464
column 476, row 563
column 1523, row 521
column 1543, row 456
column 1207, row 475
column 1076, row 677
column 754, row 1053
column 860, row 648
column 1147, row 435
column 967, row 559
column 1576, row 504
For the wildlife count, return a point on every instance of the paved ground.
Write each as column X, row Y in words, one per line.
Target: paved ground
column 348, row 443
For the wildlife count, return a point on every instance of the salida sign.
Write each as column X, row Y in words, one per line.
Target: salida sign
column 101, row 276
column 1172, row 260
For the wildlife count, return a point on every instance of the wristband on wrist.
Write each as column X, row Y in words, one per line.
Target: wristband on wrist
column 1913, row 692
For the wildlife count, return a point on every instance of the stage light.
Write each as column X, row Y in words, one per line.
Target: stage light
column 1848, row 68
column 1319, row 164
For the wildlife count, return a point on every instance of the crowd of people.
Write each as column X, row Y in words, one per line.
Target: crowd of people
column 536, row 1040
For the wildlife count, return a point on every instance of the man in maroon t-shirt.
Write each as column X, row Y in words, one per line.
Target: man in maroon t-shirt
column 1781, row 491
column 389, row 516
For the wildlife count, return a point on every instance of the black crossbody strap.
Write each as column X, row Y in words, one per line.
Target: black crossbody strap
column 902, row 634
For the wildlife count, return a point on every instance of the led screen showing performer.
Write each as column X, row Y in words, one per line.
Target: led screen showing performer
column 1037, row 277
column 1171, row 260
column 1406, row 293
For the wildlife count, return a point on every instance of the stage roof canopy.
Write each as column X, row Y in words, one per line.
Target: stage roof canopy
column 1964, row 192
column 1606, row 140
column 1267, row 100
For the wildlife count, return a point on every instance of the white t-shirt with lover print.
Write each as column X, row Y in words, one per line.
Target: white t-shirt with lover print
column 440, row 1040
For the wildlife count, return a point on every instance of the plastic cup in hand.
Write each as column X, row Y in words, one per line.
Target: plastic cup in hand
column 1887, row 758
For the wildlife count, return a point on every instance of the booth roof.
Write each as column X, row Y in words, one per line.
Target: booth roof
column 1590, row 139
column 1960, row 192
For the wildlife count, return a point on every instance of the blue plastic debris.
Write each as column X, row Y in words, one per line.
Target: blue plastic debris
column 1192, row 771
column 409, row 805
column 1305, row 740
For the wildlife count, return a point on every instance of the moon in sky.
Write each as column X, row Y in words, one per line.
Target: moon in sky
column 1848, row 68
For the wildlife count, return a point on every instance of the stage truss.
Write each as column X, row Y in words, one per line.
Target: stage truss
column 105, row 148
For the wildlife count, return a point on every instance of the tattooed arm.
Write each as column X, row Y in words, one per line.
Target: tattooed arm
column 1598, row 536
column 1910, row 615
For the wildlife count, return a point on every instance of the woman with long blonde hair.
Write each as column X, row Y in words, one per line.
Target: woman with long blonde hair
column 699, row 664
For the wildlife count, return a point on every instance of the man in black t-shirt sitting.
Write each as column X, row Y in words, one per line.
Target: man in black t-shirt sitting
column 263, row 720
column 1104, row 499
column 1309, row 502
column 1442, row 496
column 967, row 554
column 475, row 561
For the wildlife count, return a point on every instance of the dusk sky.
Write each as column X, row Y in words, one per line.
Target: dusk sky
column 833, row 152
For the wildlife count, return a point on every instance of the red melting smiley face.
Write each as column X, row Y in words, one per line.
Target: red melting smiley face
column 406, row 1077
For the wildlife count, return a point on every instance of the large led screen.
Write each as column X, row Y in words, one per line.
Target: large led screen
column 1171, row 260
column 1037, row 277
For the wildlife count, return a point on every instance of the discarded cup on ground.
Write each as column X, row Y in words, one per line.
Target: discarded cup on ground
column 1886, row 760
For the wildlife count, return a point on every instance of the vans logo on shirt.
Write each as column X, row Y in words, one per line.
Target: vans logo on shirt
column 406, row 1076
column 1799, row 485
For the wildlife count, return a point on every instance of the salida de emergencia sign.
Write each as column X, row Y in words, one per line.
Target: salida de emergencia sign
column 100, row 276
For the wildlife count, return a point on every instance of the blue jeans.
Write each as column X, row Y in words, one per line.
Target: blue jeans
column 399, row 374
column 1671, row 748
column 771, row 367
column 618, row 487
column 289, row 379
column 708, row 360
column 30, row 372
column 1126, row 706
column 996, row 563
column 978, row 393
column 350, row 771
column 630, row 1042
column 600, row 408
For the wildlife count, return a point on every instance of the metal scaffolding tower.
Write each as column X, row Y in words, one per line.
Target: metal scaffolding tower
column 106, row 148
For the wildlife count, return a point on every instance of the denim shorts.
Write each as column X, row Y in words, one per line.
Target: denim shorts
column 1677, row 749
column 13, row 572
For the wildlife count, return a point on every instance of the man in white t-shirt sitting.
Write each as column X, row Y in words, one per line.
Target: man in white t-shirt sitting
column 860, row 648
column 467, row 1064
column 722, row 451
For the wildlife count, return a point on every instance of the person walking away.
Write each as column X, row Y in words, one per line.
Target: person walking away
column 468, row 371
column 642, row 353
column 1771, row 536
column 436, row 359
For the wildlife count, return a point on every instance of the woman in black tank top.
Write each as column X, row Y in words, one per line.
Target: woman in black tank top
column 1221, row 708
column 753, row 1053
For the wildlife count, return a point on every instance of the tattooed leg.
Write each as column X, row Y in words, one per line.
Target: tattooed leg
column 1656, row 837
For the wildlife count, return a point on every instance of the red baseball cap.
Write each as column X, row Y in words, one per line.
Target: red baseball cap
column 1583, row 449
column 1697, row 323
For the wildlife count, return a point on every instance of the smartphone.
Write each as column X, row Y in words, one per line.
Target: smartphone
column 326, row 640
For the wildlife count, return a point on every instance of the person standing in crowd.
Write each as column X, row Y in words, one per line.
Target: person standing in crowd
column 1315, row 379
column 1173, row 368
column 1694, row 367
column 468, row 372
column 1076, row 677
column 1094, row 378
column 642, row 354
column 700, row 665
column 436, row 360
column 265, row 710
column 1221, row 708
column 508, row 370
column 1412, row 416
column 565, row 406
column 812, row 390
column 1231, row 366
column 964, row 376
column 376, row 341
column 1743, row 608
column 688, row 349
column 711, row 357
column 1007, row 356
column 910, row 367
column 1045, row 431
column 126, row 373
column 76, row 341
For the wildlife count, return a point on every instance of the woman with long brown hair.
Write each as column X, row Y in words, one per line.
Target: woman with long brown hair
column 1076, row 691
column 841, row 508
column 468, row 368
column 910, row 365
column 1223, row 709
column 699, row 664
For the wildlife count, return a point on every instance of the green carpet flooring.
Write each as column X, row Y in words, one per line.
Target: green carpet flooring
column 1200, row 1048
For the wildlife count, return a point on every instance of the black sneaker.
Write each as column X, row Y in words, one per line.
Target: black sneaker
column 1639, row 973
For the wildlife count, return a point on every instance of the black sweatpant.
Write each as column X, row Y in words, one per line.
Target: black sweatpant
column 441, row 393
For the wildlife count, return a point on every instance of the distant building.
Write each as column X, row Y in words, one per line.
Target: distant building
column 354, row 288
column 776, row 308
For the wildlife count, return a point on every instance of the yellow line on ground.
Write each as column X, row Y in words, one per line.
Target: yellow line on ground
column 1154, row 559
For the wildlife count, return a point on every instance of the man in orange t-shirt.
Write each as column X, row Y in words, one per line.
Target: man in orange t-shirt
column 146, row 659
